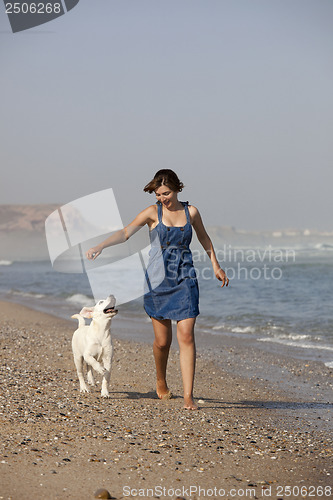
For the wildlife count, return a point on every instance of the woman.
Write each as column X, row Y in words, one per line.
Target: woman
column 175, row 296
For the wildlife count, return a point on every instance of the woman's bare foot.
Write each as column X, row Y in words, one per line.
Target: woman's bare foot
column 162, row 391
column 189, row 404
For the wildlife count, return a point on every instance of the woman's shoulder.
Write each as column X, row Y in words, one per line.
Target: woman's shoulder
column 151, row 211
column 194, row 213
column 192, row 209
column 146, row 216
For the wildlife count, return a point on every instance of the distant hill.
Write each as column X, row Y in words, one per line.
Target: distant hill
column 24, row 217
column 22, row 234
column 22, row 231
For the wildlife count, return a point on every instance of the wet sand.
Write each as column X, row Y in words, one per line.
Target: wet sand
column 252, row 436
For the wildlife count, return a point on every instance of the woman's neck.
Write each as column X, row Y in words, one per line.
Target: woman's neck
column 174, row 208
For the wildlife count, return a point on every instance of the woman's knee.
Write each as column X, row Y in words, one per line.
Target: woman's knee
column 163, row 334
column 163, row 343
column 185, row 337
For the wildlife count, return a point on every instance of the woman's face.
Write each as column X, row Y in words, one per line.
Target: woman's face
column 166, row 196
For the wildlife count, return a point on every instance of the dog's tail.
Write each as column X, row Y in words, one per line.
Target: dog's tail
column 80, row 319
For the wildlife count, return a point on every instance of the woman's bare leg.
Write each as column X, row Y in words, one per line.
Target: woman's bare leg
column 187, row 353
column 161, row 348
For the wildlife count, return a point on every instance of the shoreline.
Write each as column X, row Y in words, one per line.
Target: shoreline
column 57, row 443
column 309, row 354
column 290, row 370
column 269, row 321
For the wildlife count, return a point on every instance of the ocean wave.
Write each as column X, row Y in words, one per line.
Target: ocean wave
column 6, row 262
column 323, row 246
column 329, row 364
column 297, row 336
column 80, row 299
column 293, row 343
column 28, row 294
column 276, row 327
column 245, row 329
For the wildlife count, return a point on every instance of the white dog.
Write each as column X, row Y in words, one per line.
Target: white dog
column 93, row 344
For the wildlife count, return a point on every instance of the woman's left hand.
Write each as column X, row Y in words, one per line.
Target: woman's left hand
column 221, row 276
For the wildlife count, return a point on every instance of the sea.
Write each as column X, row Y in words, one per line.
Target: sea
column 278, row 299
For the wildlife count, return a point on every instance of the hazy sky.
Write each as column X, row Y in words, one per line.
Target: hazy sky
column 235, row 96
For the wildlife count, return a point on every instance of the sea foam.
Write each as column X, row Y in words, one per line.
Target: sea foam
column 80, row 299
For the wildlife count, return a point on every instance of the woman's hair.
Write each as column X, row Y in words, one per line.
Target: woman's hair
column 164, row 177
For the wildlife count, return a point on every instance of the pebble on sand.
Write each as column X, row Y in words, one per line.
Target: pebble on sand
column 101, row 493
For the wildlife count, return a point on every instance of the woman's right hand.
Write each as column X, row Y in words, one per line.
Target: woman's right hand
column 94, row 252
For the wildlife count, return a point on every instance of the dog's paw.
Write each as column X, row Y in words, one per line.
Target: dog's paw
column 105, row 394
column 84, row 389
column 102, row 370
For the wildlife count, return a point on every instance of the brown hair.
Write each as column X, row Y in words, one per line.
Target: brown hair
column 164, row 177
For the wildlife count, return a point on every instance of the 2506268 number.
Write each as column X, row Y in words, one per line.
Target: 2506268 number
column 33, row 8
column 304, row 491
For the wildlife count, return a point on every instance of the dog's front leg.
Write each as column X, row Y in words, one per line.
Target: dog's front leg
column 107, row 361
column 91, row 361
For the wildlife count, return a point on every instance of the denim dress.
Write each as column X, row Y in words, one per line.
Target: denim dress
column 171, row 289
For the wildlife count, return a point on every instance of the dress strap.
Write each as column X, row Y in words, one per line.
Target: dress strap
column 185, row 203
column 159, row 211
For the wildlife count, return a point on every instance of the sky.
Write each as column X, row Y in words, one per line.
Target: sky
column 235, row 96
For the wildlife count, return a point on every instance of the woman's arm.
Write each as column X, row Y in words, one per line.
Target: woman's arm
column 207, row 244
column 147, row 216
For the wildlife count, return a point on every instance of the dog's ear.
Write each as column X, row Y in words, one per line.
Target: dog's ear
column 87, row 312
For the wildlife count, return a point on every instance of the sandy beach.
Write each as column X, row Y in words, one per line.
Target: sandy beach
column 253, row 437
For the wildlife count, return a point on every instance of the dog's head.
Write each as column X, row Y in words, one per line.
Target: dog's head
column 103, row 309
